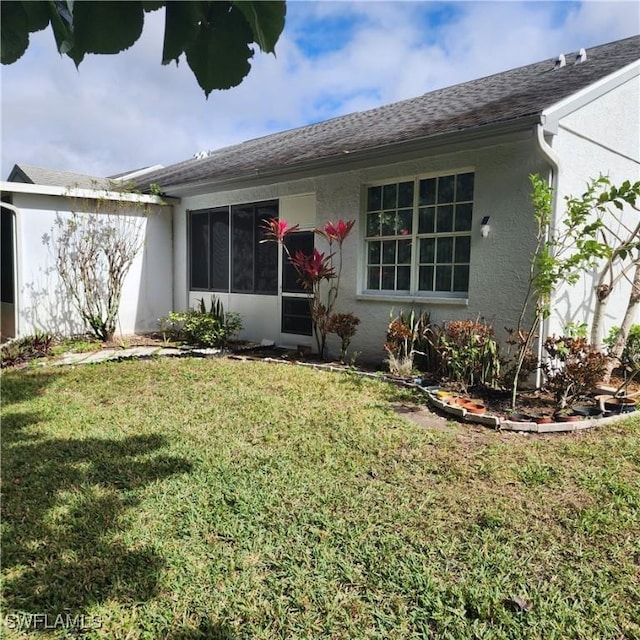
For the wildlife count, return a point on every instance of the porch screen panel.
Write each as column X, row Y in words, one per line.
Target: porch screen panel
column 300, row 241
column 199, row 256
column 219, row 234
column 254, row 264
column 266, row 262
column 242, row 248
column 296, row 316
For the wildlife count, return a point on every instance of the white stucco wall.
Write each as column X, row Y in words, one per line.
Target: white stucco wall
column 147, row 292
column 601, row 137
column 499, row 263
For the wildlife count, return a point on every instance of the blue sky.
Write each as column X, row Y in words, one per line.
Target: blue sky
column 127, row 111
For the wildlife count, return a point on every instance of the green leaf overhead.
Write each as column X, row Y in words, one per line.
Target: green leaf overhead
column 181, row 27
column 219, row 57
column 215, row 35
column 38, row 14
column 106, row 27
column 152, row 5
column 14, row 31
column 266, row 20
column 62, row 25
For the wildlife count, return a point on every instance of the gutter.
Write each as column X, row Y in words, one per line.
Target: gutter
column 553, row 179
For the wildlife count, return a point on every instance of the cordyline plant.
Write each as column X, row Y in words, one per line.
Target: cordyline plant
column 315, row 268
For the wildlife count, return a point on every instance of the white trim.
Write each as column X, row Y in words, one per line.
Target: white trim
column 591, row 140
column 457, row 302
column 69, row 192
column 135, row 174
column 553, row 114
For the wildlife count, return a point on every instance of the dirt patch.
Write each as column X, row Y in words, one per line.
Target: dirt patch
column 422, row 416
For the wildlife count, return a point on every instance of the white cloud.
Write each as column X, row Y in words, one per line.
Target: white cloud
column 126, row 111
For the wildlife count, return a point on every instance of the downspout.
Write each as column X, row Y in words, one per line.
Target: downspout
column 553, row 179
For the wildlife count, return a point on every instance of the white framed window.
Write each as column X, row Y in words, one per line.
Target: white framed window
column 418, row 236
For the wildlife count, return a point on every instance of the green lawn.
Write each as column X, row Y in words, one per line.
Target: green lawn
column 185, row 499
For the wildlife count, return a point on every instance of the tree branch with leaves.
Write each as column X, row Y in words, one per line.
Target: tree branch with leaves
column 215, row 36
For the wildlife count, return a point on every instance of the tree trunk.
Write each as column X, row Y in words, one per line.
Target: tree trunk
column 602, row 295
column 627, row 322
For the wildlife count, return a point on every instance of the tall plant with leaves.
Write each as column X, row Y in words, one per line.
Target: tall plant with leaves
column 319, row 272
column 581, row 242
column 93, row 250
column 611, row 241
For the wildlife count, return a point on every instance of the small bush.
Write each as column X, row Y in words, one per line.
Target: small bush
column 344, row 326
column 202, row 327
column 404, row 334
column 574, row 368
column 462, row 351
column 24, row 349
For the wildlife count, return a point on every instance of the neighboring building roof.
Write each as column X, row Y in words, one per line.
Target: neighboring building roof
column 53, row 178
column 518, row 96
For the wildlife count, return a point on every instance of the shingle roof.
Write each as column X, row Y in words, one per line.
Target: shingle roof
column 518, row 94
column 54, row 178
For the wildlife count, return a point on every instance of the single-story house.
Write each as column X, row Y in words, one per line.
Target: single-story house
column 438, row 186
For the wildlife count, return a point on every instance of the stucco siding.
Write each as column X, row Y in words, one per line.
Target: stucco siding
column 499, row 263
column 43, row 306
column 601, row 138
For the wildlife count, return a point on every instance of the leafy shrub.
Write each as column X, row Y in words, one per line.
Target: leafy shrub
column 631, row 353
column 203, row 327
column 344, row 326
column 573, row 369
column 404, row 335
column 24, row 349
column 463, row 351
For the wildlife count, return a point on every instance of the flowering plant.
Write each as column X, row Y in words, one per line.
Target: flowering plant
column 314, row 269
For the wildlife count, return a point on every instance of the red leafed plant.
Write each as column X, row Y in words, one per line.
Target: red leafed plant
column 314, row 269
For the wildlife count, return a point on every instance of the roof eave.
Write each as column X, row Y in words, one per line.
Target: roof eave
column 89, row 194
column 488, row 135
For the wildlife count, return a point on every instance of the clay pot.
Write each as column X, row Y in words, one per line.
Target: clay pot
column 474, row 407
column 568, row 417
column 544, row 419
column 520, row 417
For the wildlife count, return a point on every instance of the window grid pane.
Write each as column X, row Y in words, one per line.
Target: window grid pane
column 441, row 234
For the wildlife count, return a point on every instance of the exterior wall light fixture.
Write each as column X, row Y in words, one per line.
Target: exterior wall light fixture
column 484, row 227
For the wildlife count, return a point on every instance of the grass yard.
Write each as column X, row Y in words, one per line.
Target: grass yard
column 180, row 499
